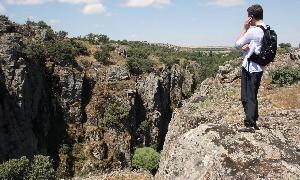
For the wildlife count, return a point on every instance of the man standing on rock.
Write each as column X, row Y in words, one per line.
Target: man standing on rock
column 250, row 41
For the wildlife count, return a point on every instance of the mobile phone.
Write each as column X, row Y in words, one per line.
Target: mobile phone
column 250, row 20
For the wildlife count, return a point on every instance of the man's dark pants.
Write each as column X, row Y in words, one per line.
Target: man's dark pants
column 250, row 85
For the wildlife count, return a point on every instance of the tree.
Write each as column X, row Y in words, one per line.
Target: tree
column 4, row 18
column 285, row 45
column 102, row 38
column 91, row 37
column 43, row 24
column 61, row 35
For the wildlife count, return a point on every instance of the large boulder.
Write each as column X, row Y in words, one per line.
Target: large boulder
column 213, row 151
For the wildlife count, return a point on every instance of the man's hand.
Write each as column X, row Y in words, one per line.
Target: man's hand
column 245, row 47
column 247, row 23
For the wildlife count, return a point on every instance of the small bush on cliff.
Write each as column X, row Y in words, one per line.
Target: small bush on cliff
column 61, row 51
column 286, row 76
column 186, row 92
column 103, row 55
column 35, row 51
column 14, row 168
column 146, row 158
column 4, row 18
column 115, row 113
column 79, row 48
column 41, row 167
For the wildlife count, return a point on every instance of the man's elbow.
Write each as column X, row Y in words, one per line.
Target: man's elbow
column 238, row 45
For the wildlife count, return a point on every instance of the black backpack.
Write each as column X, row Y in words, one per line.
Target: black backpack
column 268, row 48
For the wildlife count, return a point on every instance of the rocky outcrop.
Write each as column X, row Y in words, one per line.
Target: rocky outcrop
column 158, row 94
column 205, row 141
column 68, row 83
column 213, row 151
column 117, row 73
column 228, row 73
column 295, row 55
column 38, row 97
column 24, row 103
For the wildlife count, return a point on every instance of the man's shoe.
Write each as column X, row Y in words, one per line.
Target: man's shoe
column 255, row 126
column 247, row 124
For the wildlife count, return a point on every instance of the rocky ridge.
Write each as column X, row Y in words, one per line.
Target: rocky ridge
column 204, row 141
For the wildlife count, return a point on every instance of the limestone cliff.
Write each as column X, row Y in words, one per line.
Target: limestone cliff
column 38, row 96
column 24, row 103
column 47, row 103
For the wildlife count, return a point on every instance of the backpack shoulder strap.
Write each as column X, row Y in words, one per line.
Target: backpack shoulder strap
column 262, row 27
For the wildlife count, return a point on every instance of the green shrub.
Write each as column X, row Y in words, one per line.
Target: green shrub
column 41, row 168
column 138, row 53
column 4, row 18
column 144, row 126
column 64, row 149
column 14, row 169
column 35, row 50
column 138, row 66
column 79, row 48
column 97, row 38
column 61, row 35
column 146, row 158
column 286, row 76
column 104, row 55
column 64, row 169
column 43, row 24
column 115, row 113
column 169, row 61
column 186, row 92
column 286, row 46
column 61, row 51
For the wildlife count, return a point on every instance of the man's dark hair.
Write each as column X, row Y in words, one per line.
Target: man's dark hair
column 256, row 11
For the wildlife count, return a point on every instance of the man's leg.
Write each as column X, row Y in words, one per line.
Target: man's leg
column 252, row 110
column 244, row 96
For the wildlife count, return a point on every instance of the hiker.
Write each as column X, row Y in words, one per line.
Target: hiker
column 250, row 41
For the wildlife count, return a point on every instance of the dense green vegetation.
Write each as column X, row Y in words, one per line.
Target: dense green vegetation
column 40, row 167
column 54, row 46
column 146, row 158
column 60, row 51
column 286, row 76
column 141, row 58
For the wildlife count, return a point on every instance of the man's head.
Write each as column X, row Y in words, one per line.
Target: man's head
column 256, row 12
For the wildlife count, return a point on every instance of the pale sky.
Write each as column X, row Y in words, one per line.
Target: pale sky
column 179, row 22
